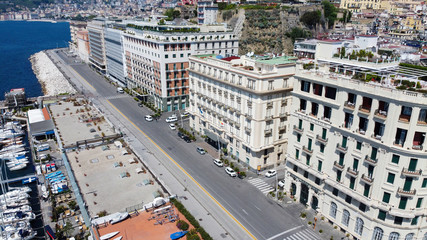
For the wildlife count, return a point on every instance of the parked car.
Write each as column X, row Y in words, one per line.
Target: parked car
column 172, row 126
column 181, row 135
column 120, row 90
column 187, row 139
column 140, row 104
column 230, row 172
column 281, row 183
column 201, row 150
column 148, row 118
column 171, row 119
column 271, row 173
column 218, row 162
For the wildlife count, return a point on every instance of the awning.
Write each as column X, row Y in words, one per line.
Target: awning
column 214, row 137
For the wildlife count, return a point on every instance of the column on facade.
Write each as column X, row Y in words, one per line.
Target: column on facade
column 298, row 191
column 310, row 196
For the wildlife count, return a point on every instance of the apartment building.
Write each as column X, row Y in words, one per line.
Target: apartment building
column 114, row 53
column 207, row 12
column 75, row 27
column 97, row 58
column 83, row 47
column 156, row 58
column 242, row 103
column 361, row 5
column 357, row 149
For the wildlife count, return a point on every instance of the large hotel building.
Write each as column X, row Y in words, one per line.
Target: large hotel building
column 357, row 149
column 156, row 58
column 242, row 103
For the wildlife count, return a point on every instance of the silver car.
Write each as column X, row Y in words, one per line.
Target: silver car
column 230, row 172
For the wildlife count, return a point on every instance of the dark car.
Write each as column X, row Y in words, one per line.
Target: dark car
column 187, row 139
column 140, row 104
column 181, row 135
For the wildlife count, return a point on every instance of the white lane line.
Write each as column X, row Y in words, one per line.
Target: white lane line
column 245, row 211
column 258, row 208
column 280, row 234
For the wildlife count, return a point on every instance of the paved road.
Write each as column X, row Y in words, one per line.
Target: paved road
column 261, row 216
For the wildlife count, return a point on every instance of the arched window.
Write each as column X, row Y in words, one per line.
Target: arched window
column 410, row 236
column 345, row 217
column 333, row 210
column 359, row 226
column 394, row 236
column 378, row 234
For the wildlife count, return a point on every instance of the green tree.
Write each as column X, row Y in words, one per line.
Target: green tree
column 310, row 19
column 172, row 14
column 297, row 32
column 330, row 12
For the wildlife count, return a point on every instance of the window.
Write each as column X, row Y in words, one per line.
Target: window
column 359, row 226
column 317, row 89
column 322, row 148
column 335, row 192
column 366, row 190
column 319, row 166
column 395, row 159
column 386, row 197
column 327, row 113
column 314, row 109
column 390, row 178
column 295, row 168
column 305, row 174
column 311, row 126
column 317, row 181
column 359, row 145
column 348, row 199
column 378, row 234
column 345, row 217
column 362, row 207
column 296, row 153
column 410, row 236
column 398, row 220
column 414, row 220
column 307, row 160
column 382, row 214
column 424, row 184
column 174, row 55
column 298, row 137
column 305, row 86
column 419, row 202
column 352, row 180
column 355, row 164
column 333, row 210
column 394, row 236
column 166, row 56
column 339, row 173
column 330, row 92
column 402, row 203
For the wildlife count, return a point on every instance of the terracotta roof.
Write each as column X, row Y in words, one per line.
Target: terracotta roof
column 45, row 114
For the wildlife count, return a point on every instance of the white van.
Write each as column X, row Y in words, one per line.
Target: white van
column 120, row 90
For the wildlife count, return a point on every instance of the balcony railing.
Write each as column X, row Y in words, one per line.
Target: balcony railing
column 338, row 165
column 364, row 110
column 326, row 119
column 269, row 117
column 248, row 129
column 269, row 104
column 361, row 131
column 352, row 172
column 321, row 139
column 349, row 105
column 297, row 129
column 417, row 147
column 408, row 193
column 378, row 137
column 342, row 148
column 371, row 161
column 281, row 128
column 267, row 131
column 309, row 151
column 367, row 179
column 414, row 173
column 404, row 118
column 380, row 114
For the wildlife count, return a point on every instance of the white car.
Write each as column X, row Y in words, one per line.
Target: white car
column 148, row 118
column 271, row 173
column 171, row 119
column 218, row 162
column 281, row 183
column 172, row 126
column 230, row 172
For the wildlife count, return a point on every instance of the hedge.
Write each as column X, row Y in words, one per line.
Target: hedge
column 191, row 219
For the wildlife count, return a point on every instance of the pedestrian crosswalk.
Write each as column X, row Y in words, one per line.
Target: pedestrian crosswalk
column 261, row 185
column 306, row 234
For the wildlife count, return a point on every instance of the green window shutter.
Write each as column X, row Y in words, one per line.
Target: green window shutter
column 339, row 173
column 382, row 215
column 386, row 197
column 419, row 202
column 355, row 164
column 403, row 201
column 359, row 145
column 352, row 180
column 395, row 159
column 413, row 164
column 408, row 184
column 424, row 183
column 322, row 148
column 414, row 220
column 319, row 166
column 366, row 191
column 390, row 178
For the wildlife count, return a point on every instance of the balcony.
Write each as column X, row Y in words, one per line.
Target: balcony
column 283, row 115
column 306, row 150
column 349, row 105
column 367, row 179
column 238, row 112
column 267, row 131
column 269, row 105
column 342, row 148
column 283, row 102
column 326, row 119
column 321, row 139
column 298, row 130
column 414, row 173
column 283, row 127
column 338, row 165
column 371, row 161
column 380, row 114
column 404, row 118
column 417, row 147
column 237, row 125
column 408, row 193
column 361, row 131
column 352, row 172
column 269, row 117
column 248, row 116
column 364, row 110
column 377, row 137
column 248, row 129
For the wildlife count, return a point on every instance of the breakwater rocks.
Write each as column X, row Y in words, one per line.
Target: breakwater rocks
column 51, row 79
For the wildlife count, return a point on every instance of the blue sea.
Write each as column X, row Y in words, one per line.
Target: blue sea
column 18, row 41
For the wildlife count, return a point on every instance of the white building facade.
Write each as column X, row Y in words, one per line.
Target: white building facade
column 356, row 151
column 156, row 58
column 242, row 103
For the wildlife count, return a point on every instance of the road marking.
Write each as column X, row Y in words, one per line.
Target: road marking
column 183, row 170
column 280, row 234
column 257, row 208
column 245, row 211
